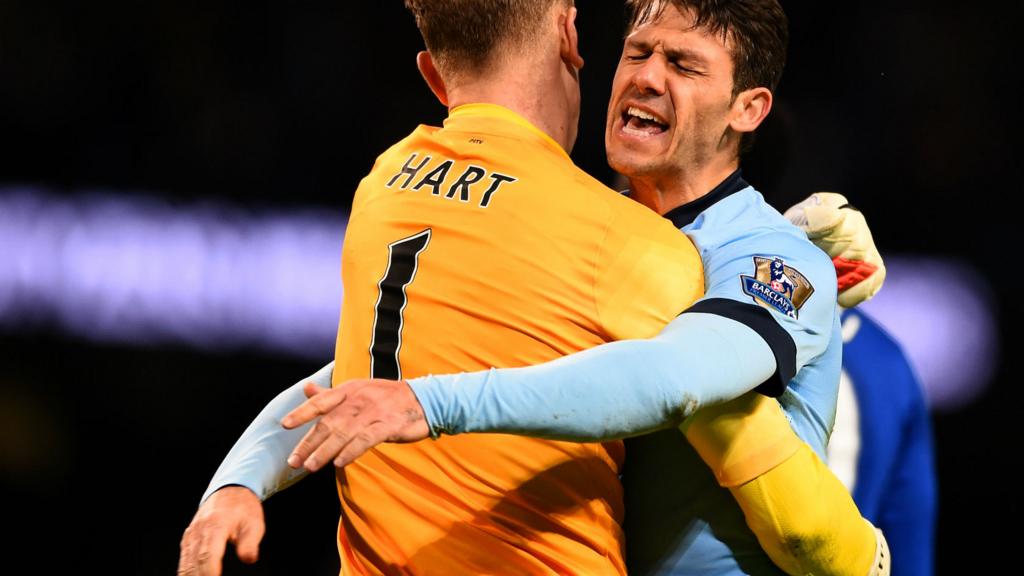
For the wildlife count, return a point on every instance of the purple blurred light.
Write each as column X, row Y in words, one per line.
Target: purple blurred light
column 942, row 312
column 140, row 270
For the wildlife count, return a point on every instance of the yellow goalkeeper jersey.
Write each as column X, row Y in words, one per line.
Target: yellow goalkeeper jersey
column 477, row 245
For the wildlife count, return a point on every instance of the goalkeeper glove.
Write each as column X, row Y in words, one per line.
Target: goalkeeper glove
column 841, row 231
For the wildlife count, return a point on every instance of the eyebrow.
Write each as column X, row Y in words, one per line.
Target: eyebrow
column 674, row 54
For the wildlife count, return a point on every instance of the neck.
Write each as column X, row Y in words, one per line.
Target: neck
column 525, row 88
column 663, row 193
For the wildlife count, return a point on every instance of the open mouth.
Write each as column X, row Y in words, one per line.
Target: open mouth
column 639, row 122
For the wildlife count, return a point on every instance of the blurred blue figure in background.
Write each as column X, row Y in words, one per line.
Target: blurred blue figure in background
column 881, row 446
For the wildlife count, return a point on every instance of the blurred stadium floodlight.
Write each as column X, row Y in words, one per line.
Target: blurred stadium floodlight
column 943, row 313
column 139, row 270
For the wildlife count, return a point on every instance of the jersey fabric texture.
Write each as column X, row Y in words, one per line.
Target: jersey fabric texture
column 474, row 245
column 882, row 444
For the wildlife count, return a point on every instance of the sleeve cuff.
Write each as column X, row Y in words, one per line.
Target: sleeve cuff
column 759, row 320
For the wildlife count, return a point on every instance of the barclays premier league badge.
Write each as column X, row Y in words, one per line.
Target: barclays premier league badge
column 775, row 285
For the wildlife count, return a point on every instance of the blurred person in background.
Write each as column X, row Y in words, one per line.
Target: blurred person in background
column 881, row 445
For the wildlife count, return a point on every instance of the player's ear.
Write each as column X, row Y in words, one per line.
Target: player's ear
column 429, row 72
column 569, row 43
column 750, row 108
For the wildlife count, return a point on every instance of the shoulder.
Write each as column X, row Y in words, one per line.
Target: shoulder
column 630, row 220
column 879, row 368
column 867, row 329
column 743, row 218
column 746, row 215
column 744, row 229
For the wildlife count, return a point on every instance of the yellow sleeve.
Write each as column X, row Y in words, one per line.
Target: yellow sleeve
column 742, row 438
column 802, row 515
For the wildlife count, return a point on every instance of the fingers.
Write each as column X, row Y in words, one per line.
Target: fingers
column 360, row 443
column 312, row 389
column 247, row 544
column 823, row 221
column 354, row 418
column 319, row 445
column 231, row 514
column 320, row 402
column 210, row 554
column 202, row 549
column 186, row 556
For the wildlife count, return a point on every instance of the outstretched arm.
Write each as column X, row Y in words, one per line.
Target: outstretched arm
column 257, row 461
column 723, row 347
column 231, row 508
column 742, row 336
column 615, row 390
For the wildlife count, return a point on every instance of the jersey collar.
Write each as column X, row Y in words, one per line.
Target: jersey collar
column 685, row 215
column 468, row 112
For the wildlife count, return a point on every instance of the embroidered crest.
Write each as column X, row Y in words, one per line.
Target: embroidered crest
column 775, row 285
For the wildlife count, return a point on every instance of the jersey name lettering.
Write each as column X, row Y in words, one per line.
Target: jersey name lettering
column 422, row 174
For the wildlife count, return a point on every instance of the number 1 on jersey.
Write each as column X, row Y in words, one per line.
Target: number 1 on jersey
column 403, row 260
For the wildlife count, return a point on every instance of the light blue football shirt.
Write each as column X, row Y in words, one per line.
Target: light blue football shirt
column 678, row 520
column 765, row 284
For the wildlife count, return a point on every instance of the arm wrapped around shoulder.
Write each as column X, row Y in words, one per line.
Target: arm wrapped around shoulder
column 807, row 522
column 803, row 517
column 742, row 438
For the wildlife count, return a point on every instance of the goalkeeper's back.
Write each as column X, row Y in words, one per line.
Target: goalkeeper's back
column 477, row 245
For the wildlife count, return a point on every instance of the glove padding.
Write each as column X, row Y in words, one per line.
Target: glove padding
column 882, row 565
column 839, row 229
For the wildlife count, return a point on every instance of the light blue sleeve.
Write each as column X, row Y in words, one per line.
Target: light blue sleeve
column 767, row 314
column 611, row 391
column 258, row 460
column 783, row 273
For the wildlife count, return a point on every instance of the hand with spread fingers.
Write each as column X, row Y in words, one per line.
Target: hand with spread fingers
column 353, row 418
column 835, row 226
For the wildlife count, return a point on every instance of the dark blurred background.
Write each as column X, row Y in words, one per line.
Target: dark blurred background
column 266, row 107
